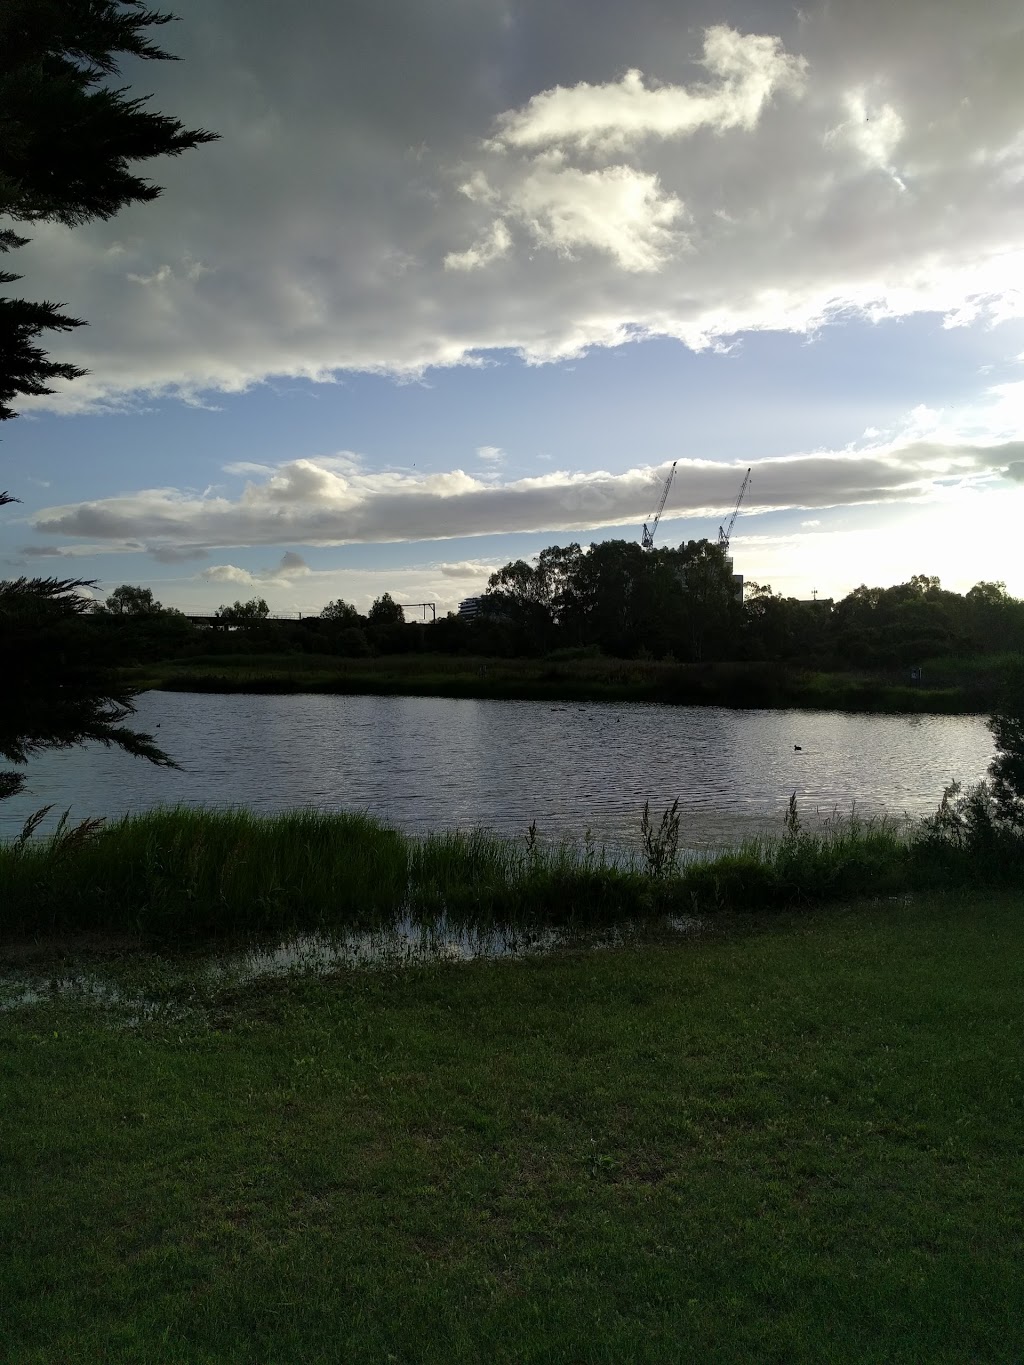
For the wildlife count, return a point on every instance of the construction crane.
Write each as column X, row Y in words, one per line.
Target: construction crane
column 648, row 535
column 724, row 532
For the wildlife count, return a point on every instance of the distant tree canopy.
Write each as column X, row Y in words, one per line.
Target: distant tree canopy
column 683, row 602
column 340, row 612
column 244, row 613
column 621, row 598
column 385, row 612
column 129, row 601
column 618, row 601
column 69, row 139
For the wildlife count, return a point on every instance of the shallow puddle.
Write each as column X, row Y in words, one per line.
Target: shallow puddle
column 176, row 987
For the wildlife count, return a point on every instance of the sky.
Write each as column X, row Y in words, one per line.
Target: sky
column 462, row 280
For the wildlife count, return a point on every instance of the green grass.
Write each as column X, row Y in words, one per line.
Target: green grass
column 596, row 678
column 185, row 873
column 797, row 1145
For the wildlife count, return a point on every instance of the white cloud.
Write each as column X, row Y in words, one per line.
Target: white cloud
column 873, row 131
column 748, row 70
column 494, row 244
column 491, row 201
column 304, row 503
column 291, row 567
column 468, row 568
column 492, row 454
column 229, row 573
column 617, row 210
column 247, row 467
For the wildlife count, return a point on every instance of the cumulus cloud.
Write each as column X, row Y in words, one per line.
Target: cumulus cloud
column 468, row 568
column 617, row 210
column 492, row 454
column 284, row 574
column 494, row 244
column 470, row 177
column 305, row 503
column 746, row 69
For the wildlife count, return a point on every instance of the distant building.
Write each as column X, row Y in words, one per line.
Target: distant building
column 469, row 607
column 737, row 580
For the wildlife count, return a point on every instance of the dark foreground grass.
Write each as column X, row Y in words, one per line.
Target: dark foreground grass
column 796, row 1145
column 180, row 873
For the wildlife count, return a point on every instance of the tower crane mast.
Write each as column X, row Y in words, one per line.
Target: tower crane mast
column 648, row 536
column 724, row 532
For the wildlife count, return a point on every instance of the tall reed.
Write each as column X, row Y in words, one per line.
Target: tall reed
column 186, row 872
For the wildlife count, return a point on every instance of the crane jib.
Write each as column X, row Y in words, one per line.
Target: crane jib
column 724, row 532
column 647, row 539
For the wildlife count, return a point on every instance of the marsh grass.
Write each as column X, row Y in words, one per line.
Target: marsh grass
column 593, row 678
column 185, row 872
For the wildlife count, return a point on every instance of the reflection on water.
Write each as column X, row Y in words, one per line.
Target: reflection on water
column 426, row 763
column 404, row 944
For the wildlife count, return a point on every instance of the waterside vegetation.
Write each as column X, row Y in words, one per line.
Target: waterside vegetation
column 948, row 686
column 186, row 873
column 610, row 622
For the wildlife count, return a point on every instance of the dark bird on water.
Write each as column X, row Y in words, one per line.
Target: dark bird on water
column 797, row 748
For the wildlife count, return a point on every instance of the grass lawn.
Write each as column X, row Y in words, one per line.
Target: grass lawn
column 800, row 1142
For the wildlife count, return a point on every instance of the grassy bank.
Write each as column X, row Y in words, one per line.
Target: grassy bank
column 799, row 1145
column 184, row 872
column 949, row 689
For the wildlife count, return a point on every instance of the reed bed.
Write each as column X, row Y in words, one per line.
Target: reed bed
column 188, row 873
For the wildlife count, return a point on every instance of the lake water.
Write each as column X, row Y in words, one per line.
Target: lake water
column 425, row 763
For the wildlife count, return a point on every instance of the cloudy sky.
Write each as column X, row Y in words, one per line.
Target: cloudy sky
column 461, row 280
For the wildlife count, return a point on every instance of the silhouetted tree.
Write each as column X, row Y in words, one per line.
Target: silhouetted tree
column 341, row 612
column 251, row 613
column 385, row 612
column 68, row 143
column 1007, row 768
column 57, row 688
column 131, row 601
column 69, row 139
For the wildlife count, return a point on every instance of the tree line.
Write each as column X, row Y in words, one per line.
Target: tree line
column 615, row 599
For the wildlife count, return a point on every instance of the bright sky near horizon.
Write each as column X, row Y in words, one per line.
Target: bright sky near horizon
column 461, row 280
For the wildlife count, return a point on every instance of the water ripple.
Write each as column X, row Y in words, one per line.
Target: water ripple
column 426, row 763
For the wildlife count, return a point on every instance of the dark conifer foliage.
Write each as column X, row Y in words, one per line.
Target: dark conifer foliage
column 25, row 367
column 68, row 143
column 68, row 137
column 57, row 688
column 70, row 140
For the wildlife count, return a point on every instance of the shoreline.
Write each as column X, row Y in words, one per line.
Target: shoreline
column 740, row 687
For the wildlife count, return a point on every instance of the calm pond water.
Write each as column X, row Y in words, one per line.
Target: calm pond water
column 425, row 763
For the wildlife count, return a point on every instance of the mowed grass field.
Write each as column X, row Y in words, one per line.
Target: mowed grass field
column 795, row 1139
